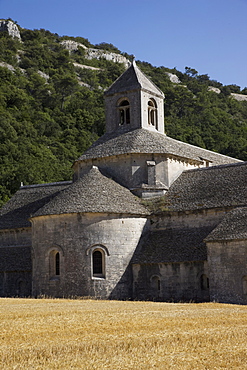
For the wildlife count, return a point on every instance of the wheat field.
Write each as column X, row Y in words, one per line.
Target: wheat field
column 90, row 334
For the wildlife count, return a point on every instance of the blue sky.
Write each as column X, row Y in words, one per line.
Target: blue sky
column 208, row 35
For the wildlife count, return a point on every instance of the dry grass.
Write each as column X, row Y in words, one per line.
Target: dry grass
column 87, row 334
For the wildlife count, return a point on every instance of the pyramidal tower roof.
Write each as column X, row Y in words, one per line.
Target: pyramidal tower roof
column 133, row 79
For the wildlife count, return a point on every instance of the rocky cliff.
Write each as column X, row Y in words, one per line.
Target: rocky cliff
column 91, row 53
column 10, row 27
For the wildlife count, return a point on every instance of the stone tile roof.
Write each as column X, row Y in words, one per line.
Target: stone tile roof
column 133, row 78
column 211, row 187
column 15, row 259
column 27, row 200
column 146, row 141
column 94, row 192
column 233, row 226
column 173, row 245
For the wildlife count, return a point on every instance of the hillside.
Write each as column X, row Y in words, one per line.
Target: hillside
column 52, row 108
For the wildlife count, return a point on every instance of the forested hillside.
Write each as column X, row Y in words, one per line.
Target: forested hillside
column 52, row 108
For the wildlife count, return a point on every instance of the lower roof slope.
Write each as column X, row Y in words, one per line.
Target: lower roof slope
column 173, row 245
column 233, row 226
column 95, row 193
column 16, row 212
column 209, row 187
column 16, row 259
column 147, row 141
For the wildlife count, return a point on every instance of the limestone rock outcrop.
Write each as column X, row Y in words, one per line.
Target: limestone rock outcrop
column 173, row 78
column 91, row 53
column 72, row 45
column 8, row 66
column 214, row 89
column 114, row 57
column 239, row 97
column 10, row 27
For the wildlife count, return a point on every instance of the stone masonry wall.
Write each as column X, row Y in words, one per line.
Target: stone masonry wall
column 75, row 236
column 16, row 237
column 130, row 170
column 227, row 263
column 145, row 97
column 176, row 166
column 112, row 113
column 170, row 281
column 179, row 281
column 190, row 219
column 15, row 262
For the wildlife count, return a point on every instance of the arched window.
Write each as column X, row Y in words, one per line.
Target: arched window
column 155, row 284
column 124, row 112
column 98, row 253
column 21, row 287
column 98, row 263
column 57, row 264
column 244, row 285
column 204, row 282
column 152, row 113
column 1, row 283
column 54, row 264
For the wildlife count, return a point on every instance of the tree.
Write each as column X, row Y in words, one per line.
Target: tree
column 234, row 88
column 108, row 47
column 191, row 72
column 65, row 85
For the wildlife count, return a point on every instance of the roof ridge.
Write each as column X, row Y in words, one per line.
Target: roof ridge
column 46, row 184
column 139, row 71
column 133, row 79
column 203, row 149
column 215, row 167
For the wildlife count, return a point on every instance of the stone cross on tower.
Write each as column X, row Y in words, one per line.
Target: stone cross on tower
column 133, row 101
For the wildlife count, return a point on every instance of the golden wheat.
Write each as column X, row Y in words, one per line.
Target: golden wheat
column 89, row 334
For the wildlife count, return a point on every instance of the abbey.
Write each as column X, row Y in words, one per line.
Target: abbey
column 145, row 217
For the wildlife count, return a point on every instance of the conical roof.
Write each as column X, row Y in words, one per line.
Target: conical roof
column 94, row 193
column 133, row 79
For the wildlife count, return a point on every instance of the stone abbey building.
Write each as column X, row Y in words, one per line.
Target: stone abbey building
column 145, row 217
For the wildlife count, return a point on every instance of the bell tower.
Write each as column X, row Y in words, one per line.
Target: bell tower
column 133, row 101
